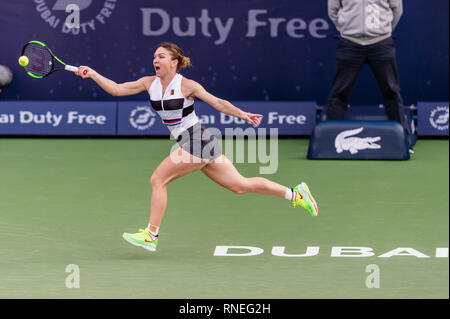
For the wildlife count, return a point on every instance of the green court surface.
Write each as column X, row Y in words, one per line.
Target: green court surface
column 68, row 201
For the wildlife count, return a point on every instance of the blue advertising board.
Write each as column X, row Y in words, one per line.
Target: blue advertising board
column 432, row 118
column 139, row 118
column 267, row 50
column 289, row 118
column 57, row 118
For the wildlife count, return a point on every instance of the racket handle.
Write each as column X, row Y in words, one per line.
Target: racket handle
column 71, row 68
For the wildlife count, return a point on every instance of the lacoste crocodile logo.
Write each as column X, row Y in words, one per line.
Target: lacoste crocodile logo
column 345, row 141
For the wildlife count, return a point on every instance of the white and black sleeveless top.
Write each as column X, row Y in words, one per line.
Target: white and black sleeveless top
column 176, row 112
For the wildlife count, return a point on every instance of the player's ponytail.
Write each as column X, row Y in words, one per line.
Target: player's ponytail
column 185, row 62
column 177, row 54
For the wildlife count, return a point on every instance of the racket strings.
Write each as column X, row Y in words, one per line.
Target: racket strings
column 40, row 60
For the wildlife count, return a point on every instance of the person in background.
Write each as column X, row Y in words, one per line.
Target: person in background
column 366, row 38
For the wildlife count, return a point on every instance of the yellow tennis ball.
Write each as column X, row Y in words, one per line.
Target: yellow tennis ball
column 23, row 60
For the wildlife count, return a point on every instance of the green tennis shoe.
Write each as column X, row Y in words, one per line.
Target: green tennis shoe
column 304, row 198
column 141, row 239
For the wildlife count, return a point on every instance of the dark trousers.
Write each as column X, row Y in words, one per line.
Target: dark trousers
column 350, row 59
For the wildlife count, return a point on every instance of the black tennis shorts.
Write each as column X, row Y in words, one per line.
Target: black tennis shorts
column 199, row 142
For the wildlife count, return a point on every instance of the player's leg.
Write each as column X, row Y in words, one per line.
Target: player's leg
column 168, row 171
column 165, row 173
column 223, row 172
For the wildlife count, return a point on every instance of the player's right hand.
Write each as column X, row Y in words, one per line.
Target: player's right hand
column 84, row 71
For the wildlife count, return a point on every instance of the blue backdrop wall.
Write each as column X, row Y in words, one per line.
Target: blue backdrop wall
column 274, row 50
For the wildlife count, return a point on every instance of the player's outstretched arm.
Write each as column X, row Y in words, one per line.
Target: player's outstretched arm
column 113, row 88
column 196, row 90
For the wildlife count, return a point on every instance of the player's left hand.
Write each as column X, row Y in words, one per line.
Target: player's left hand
column 252, row 118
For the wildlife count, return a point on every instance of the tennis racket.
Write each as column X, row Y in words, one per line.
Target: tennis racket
column 42, row 62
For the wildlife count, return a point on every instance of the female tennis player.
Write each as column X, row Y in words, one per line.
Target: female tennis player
column 172, row 96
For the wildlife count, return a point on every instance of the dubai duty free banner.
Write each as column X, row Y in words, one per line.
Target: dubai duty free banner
column 57, row 118
column 296, row 118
